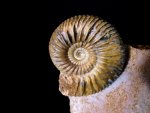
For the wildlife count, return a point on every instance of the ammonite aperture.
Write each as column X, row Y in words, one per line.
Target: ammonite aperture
column 89, row 53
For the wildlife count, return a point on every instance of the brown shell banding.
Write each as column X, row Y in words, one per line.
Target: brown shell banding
column 89, row 53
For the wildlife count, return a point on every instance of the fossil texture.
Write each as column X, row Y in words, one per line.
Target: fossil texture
column 89, row 54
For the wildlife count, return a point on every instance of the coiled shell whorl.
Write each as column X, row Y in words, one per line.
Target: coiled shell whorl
column 89, row 54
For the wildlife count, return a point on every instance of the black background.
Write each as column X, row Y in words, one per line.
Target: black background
column 37, row 83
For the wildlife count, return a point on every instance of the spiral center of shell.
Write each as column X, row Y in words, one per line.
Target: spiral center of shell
column 80, row 53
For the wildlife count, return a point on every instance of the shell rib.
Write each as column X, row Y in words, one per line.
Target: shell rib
column 89, row 54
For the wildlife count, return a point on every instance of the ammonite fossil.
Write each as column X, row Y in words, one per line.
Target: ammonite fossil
column 89, row 54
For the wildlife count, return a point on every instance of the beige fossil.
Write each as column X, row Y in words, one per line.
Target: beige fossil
column 98, row 72
column 89, row 53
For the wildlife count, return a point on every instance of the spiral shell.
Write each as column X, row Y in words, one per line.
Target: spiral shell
column 89, row 54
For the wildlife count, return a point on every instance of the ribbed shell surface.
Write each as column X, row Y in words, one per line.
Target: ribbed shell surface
column 89, row 54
